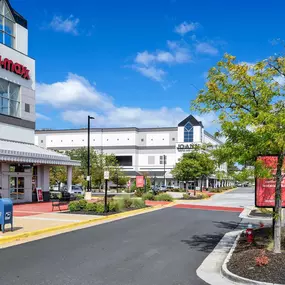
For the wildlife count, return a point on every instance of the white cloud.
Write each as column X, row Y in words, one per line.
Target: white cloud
column 147, row 63
column 206, row 48
column 68, row 25
column 144, row 58
column 185, row 28
column 76, row 98
column 175, row 55
column 151, row 72
column 128, row 117
column 75, row 91
column 42, row 117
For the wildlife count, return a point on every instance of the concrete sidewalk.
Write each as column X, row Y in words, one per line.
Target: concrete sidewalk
column 36, row 222
column 239, row 198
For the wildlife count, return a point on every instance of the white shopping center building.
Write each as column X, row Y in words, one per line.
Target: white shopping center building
column 151, row 151
column 23, row 165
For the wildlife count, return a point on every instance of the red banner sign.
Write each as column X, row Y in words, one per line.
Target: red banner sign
column 17, row 68
column 140, row 181
column 265, row 188
column 40, row 195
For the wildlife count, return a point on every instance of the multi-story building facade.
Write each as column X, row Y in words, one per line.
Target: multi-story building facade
column 23, row 166
column 153, row 151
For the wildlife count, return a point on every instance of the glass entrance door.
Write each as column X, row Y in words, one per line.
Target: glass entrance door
column 17, row 188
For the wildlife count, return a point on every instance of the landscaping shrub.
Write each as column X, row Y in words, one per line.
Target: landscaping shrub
column 91, row 207
column 100, row 208
column 262, row 260
column 138, row 203
column 139, row 192
column 186, row 196
column 202, row 196
column 127, row 203
column 148, row 196
column 80, row 197
column 82, row 204
column 114, row 206
column 74, row 206
column 163, row 197
column 216, row 190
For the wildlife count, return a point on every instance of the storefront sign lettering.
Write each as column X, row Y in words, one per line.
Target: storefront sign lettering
column 185, row 147
column 17, row 68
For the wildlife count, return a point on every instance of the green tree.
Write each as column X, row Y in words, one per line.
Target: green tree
column 250, row 106
column 196, row 164
column 99, row 162
column 58, row 175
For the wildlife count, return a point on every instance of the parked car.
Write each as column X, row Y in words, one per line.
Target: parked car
column 75, row 190
column 162, row 188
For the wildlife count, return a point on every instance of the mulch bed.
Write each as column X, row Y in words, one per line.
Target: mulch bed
column 243, row 261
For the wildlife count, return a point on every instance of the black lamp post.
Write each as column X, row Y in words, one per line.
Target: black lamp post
column 164, row 162
column 88, row 155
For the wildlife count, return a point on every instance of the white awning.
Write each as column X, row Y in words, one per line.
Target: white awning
column 30, row 153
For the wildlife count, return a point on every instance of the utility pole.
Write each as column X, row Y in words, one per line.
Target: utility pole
column 88, row 155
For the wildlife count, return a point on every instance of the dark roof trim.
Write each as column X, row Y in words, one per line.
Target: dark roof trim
column 17, row 122
column 192, row 120
column 107, row 130
column 19, row 19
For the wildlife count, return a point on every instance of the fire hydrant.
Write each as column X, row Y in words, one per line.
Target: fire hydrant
column 249, row 233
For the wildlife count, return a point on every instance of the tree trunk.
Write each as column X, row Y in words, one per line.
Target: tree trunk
column 278, row 205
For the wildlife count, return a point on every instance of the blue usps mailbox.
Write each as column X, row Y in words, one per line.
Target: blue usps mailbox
column 6, row 213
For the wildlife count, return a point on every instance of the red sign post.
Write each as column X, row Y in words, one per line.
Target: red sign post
column 265, row 188
column 140, row 181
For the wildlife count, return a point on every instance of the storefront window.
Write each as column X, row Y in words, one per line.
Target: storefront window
column 7, row 34
column 9, row 98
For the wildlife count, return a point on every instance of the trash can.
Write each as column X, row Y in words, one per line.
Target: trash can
column 6, row 213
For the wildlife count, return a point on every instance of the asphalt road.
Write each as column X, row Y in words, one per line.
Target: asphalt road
column 159, row 248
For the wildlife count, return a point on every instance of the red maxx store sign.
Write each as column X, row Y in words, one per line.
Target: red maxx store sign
column 15, row 67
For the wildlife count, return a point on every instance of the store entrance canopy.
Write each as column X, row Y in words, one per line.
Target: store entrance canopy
column 29, row 153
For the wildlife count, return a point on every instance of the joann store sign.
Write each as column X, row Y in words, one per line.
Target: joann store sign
column 15, row 67
column 186, row 147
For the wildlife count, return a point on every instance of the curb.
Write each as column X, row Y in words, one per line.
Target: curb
column 114, row 217
column 245, row 214
column 236, row 278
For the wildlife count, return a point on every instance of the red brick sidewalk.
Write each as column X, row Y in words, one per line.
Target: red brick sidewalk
column 31, row 209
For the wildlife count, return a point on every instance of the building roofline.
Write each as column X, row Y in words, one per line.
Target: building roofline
column 106, row 130
column 212, row 137
column 19, row 19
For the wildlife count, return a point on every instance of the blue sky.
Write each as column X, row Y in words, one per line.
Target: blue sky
column 138, row 63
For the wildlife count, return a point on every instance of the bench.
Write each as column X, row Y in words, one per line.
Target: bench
column 56, row 203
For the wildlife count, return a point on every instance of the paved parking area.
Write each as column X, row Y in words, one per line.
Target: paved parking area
column 159, row 248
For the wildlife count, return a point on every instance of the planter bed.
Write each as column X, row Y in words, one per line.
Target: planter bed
column 101, row 214
column 243, row 260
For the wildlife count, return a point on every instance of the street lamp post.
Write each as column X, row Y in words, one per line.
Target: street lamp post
column 164, row 162
column 88, row 155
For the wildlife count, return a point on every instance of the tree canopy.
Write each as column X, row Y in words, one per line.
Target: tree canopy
column 194, row 165
column 250, row 104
